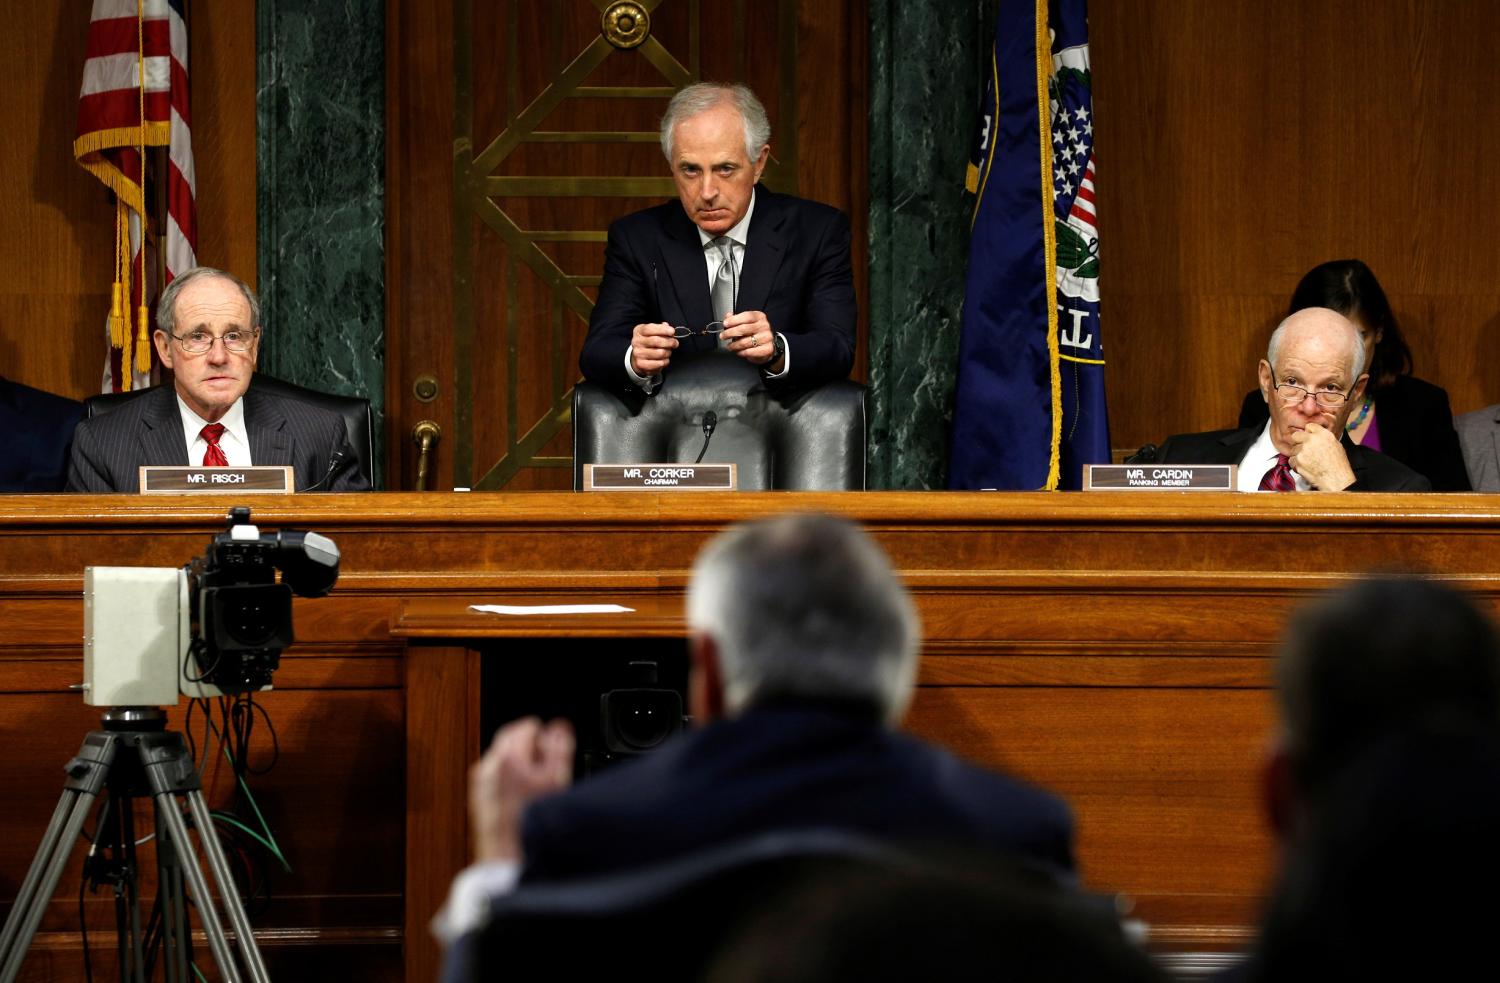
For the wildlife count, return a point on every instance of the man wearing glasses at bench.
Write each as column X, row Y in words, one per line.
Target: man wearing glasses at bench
column 1310, row 378
column 208, row 334
column 730, row 265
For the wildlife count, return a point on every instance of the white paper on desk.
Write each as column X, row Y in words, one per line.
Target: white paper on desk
column 550, row 608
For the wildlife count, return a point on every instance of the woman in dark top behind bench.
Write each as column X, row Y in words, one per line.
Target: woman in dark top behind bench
column 1401, row 415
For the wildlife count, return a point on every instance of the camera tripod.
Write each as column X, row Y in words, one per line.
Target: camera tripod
column 132, row 756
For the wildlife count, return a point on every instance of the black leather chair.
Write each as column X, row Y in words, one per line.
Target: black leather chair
column 967, row 915
column 670, row 918
column 804, row 441
column 354, row 409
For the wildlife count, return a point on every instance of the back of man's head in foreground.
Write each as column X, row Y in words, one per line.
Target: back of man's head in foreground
column 1378, row 657
column 805, row 607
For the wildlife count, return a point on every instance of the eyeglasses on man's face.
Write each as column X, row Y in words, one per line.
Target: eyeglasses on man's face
column 200, row 341
column 1327, row 398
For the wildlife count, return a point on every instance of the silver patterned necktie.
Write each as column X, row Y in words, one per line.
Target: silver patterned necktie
column 722, row 293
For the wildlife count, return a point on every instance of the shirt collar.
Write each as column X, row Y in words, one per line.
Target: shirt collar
column 233, row 421
column 740, row 234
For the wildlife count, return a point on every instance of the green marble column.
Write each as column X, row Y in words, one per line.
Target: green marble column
column 926, row 69
column 320, row 115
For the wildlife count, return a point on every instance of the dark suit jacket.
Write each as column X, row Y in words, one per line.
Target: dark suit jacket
column 1373, row 471
column 796, row 270
column 1479, row 435
column 108, row 449
column 786, row 767
column 38, row 427
column 1416, row 428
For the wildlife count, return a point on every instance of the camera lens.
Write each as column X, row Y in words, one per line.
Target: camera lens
column 637, row 720
column 250, row 622
column 248, row 616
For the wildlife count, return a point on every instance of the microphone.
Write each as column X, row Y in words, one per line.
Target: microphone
column 1146, row 455
column 335, row 465
column 710, row 421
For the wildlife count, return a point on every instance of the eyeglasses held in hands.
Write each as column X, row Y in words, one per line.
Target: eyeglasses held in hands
column 712, row 327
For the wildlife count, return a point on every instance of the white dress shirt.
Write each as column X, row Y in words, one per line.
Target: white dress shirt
column 468, row 904
column 235, row 441
column 1259, row 459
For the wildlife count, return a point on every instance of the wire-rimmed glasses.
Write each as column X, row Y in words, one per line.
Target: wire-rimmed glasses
column 711, row 328
column 1327, row 398
column 200, row 341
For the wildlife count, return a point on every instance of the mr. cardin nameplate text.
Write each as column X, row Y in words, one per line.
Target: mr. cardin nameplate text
column 1159, row 477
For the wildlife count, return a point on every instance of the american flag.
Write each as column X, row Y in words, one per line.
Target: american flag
column 1073, row 156
column 135, row 97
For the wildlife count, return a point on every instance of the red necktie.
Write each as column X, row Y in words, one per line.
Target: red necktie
column 214, row 456
column 1280, row 477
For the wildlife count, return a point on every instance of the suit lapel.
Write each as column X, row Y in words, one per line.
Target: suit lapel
column 162, row 438
column 1359, row 458
column 266, row 427
column 683, row 275
column 763, row 252
column 1237, row 444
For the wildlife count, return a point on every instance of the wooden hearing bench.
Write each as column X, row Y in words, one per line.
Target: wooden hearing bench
column 1115, row 648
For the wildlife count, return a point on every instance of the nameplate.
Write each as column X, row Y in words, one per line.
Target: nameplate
column 658, row 477
column 1159, row 477
column 264, row 480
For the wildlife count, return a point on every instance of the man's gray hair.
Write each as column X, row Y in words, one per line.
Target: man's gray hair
column 700, row 97
column 166, row 304
column 1356, row 355
column 806, row 606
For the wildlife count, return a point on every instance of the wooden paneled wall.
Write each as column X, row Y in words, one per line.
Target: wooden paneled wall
column 1242, row 142
column 58, row 221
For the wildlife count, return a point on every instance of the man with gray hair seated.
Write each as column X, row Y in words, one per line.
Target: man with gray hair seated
column 730, row 265
column 208, row 334
column 804, row 659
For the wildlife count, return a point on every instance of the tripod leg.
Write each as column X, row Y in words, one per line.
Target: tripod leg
column 128, row 896
column 173, row 910
column 207, row 914
column 87, row 773
column 170, row 772
column 31, row 903
column 219, row 864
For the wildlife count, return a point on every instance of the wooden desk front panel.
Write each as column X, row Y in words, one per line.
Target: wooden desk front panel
column 1112, row 648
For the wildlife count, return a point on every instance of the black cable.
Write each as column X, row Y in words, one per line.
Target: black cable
column 195, row 648
column 710, row 421
column 255, row 708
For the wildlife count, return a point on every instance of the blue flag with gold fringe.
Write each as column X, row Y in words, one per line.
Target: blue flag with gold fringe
column 1029, row 408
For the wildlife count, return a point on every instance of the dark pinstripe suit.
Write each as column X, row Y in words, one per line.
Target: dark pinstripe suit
column 108, row 449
